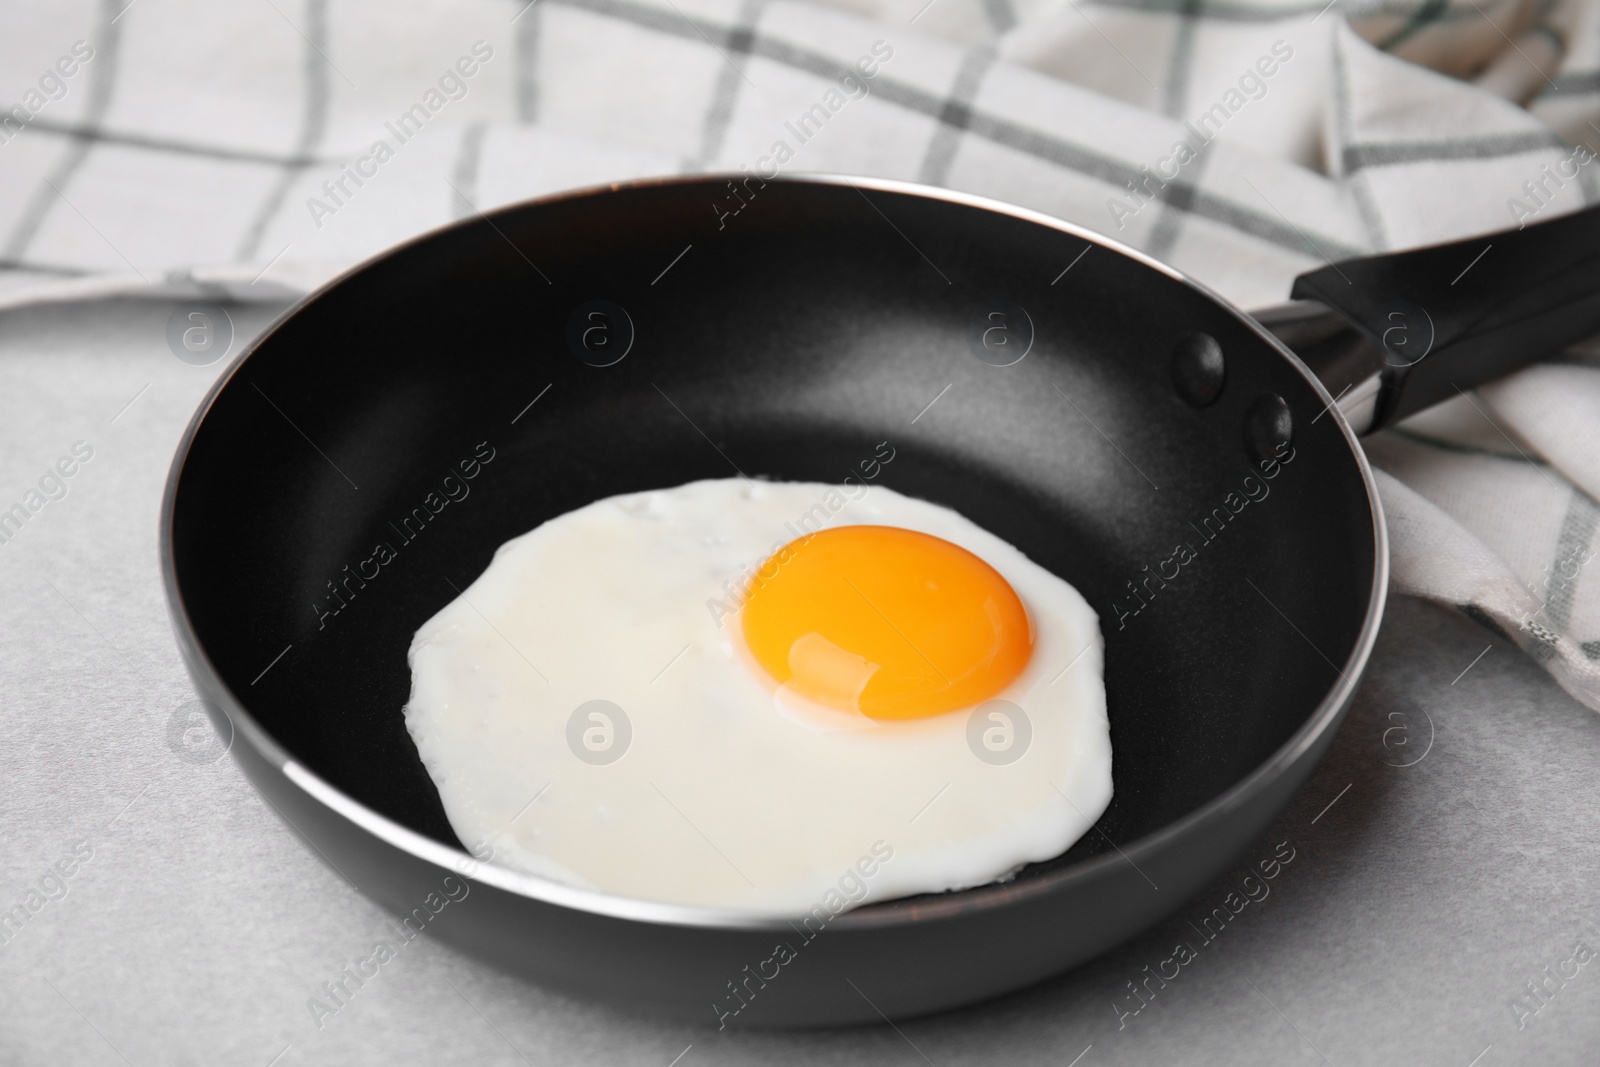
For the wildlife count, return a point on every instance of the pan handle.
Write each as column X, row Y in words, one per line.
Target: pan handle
column 1434, row 321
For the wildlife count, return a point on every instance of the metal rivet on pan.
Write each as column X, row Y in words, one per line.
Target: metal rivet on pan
column 1268, row 427
column 1198, row 370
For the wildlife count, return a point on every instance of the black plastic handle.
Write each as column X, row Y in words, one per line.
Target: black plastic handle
column 1453, row 316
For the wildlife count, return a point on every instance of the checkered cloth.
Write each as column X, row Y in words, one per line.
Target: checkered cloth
column 184, row 148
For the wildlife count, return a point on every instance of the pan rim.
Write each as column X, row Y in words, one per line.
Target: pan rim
column 606, row 905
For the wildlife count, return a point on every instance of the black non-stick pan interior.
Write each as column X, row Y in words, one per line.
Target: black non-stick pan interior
column 792, row 343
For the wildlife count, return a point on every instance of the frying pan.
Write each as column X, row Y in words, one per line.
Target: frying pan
column 642, row 336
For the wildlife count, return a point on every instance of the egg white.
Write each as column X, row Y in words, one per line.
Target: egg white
column 731, row 793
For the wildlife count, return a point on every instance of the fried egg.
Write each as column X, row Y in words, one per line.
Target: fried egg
column 764, row 696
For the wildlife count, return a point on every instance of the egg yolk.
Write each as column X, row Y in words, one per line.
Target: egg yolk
column 892, row 623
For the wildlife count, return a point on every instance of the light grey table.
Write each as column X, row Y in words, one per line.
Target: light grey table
column 1421, row 901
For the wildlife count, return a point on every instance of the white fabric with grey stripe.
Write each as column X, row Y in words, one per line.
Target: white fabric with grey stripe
column 173, row 148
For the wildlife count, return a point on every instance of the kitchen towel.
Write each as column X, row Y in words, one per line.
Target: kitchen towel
column 178, row 149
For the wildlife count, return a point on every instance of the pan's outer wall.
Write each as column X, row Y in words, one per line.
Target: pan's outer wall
column 683, row 971
column 798, row 341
